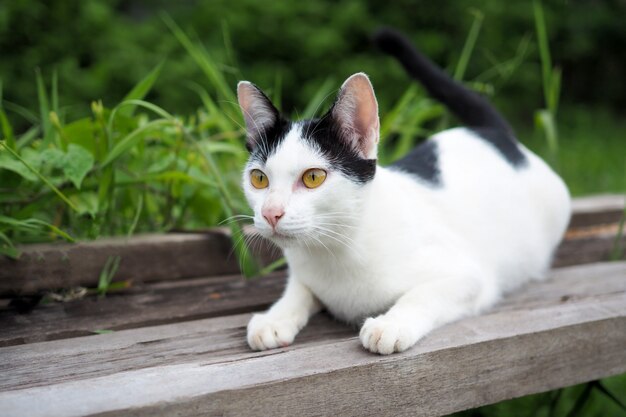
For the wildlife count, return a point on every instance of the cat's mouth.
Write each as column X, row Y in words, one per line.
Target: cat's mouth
column 281, row 236
column 283, row 239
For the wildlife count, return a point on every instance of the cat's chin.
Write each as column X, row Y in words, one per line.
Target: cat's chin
column 283, row 240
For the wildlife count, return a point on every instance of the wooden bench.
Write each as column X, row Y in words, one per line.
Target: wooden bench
column 178, row 341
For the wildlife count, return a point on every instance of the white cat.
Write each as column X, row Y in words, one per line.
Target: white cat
column 441, row 234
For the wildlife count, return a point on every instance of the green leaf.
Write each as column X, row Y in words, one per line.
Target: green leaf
column 131, row 140
column 78, row 161
column 46, row 181
column 86, row 202
column 51, row 157
column 11, row 164
column 83, row 132
column 141, row 89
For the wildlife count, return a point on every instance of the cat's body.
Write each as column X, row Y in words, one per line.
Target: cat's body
column 441, row 234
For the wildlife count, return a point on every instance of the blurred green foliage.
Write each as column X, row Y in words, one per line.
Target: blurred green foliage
column 100, row 48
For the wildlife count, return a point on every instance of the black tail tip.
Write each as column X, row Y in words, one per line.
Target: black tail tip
column 388, row 40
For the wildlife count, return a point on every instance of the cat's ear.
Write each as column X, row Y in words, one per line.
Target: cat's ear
column 258, row 111
column 356, row 112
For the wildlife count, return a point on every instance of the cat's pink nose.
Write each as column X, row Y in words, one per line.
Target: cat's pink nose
column 273, row 214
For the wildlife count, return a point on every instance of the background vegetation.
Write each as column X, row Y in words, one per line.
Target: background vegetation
column 119, row 116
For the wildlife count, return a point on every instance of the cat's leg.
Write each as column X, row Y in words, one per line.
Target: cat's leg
column 454, row 292
column 279, row 325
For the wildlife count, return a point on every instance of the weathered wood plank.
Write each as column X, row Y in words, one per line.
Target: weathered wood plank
column 213, row 341
column 590, row 244
column 143, row 258
column 144, row 305
column 597, row 209
column 557, row 333
column 185, row 255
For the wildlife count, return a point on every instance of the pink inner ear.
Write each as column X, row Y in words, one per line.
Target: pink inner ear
column 258, row 112
column 357, row 111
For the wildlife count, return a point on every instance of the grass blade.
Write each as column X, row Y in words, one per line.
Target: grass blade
column 7, row 130
column 55, row 91
column 468, row 48
column 279, row 263
column 22, row 111
column 544, row 53
column 133, row 225
column 203, row 59
column 108, row 273
column 140, row 90
column 44, row 108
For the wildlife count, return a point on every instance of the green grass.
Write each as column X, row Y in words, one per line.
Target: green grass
column 592, row 150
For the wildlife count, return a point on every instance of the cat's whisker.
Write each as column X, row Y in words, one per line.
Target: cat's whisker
column 326, row 247
column 335, row 233
column 235, row 218
column 331, row 234
column 350, row 249
column 340, row 225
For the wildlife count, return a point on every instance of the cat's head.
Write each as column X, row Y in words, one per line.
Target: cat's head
column 305, row 179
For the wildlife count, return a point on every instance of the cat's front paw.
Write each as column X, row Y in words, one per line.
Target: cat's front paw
column 386, row 335
column 265, row 332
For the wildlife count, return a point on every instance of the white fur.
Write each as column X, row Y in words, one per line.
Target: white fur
column 398, row 255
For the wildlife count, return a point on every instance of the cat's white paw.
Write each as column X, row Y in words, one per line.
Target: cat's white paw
column 265, row 332
column 385, row 335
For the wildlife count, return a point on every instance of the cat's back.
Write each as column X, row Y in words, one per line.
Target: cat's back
column 499, row 196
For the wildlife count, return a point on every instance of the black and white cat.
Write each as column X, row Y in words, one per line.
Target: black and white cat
column 465, row 217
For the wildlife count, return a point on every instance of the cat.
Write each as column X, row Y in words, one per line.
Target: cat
column 441, row 234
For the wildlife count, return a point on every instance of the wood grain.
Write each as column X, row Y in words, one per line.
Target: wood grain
column 569, row 329
column 597, row 209
column 143, row 305
column 143, row 258
column 592, row 247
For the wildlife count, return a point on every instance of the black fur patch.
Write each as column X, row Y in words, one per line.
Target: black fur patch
column 327, row 136
column 269, row 140
column 422, row 161
column 505, row 143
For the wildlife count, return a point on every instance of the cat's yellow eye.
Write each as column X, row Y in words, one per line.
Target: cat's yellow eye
column 258, row 179
column 314, row 177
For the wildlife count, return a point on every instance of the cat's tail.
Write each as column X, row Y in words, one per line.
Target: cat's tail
column 472, row 109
